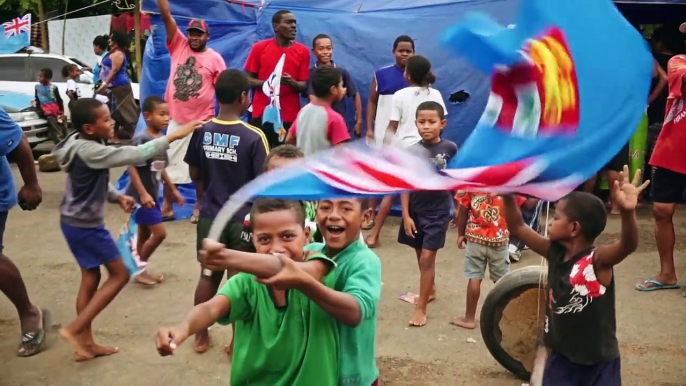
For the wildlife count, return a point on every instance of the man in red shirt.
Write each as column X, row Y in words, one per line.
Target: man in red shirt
column 262, row 61
column 669, row 173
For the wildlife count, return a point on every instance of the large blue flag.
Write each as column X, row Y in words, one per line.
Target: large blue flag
column 569, row 83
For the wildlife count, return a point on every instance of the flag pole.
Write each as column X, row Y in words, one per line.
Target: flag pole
column 43, row 26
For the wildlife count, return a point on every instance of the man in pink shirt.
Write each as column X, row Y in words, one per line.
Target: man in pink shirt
column 190, row 93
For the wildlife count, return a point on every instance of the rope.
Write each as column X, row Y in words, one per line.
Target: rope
column 543, row 264
column 74, row 11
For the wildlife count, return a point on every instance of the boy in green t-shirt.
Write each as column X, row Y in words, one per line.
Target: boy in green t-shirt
column 282, row 337
column 354, row 298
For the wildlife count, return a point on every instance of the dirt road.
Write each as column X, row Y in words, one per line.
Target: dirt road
column 652, row 341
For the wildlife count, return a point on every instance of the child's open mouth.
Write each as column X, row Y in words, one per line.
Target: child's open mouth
column 335, row 230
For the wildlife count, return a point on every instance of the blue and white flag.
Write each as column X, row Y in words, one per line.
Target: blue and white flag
column 271, row 88
column 15, row 34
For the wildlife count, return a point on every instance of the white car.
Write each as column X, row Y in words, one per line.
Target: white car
column 19, row 73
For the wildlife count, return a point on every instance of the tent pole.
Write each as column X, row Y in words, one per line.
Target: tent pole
column 137, row 37
column 43, row 26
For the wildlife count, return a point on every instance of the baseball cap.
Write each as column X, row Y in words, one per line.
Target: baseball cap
column 199, row 25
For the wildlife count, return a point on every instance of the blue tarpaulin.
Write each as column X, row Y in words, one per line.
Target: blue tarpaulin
column 363, row 34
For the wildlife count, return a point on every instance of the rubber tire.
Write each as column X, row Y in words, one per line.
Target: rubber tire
column 512, row 284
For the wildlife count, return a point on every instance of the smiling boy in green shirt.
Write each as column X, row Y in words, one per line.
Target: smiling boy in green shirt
column 353, row 298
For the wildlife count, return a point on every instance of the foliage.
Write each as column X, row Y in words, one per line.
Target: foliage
column 20, row 7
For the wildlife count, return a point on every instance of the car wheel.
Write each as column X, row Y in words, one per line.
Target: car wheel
column 512, row 318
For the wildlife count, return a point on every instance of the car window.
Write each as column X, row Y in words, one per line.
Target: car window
column 56, row 65
column 15, row 69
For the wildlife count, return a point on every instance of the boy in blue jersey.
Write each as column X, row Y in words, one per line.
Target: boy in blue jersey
column 225, row 154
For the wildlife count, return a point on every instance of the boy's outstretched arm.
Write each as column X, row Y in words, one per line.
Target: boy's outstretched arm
column 518, row 229
column 626, row 195
column 216, row 257
column 357, row 302
column 97, row 156
column 199, row 319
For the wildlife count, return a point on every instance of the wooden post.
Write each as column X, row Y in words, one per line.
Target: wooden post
column 137, row 37
column 43, row 27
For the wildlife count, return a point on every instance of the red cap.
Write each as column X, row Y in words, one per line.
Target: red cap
column 198, row 24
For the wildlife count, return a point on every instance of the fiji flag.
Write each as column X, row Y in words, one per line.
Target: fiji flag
column 15, row 34
column 271, row 88
column 569, row 83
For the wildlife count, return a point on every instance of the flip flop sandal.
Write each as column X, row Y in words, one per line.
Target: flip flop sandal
column 169, row 217
column 369, row 226
column 35, row 338
column 656, row 285
column 194, row 219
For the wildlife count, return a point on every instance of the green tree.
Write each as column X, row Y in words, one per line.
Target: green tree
column 20, row 7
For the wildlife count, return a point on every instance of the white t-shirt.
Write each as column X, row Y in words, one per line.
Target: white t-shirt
column 72, row 86
column 404, row 111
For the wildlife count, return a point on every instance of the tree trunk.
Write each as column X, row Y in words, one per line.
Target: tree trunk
column 43, row 27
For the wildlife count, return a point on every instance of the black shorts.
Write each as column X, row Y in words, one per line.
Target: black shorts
column 230, row 237
column 560, row 371
column 617, row 163
column 431, row 232
column 268, row 130
column 667, row 186
column 3, row 222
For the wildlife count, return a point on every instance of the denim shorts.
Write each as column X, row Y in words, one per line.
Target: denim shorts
column 91, row 247
column 478, row 256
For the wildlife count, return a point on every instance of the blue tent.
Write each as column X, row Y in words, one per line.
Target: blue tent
column 363, row 34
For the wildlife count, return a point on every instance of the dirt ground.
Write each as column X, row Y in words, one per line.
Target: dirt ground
column 652, row 343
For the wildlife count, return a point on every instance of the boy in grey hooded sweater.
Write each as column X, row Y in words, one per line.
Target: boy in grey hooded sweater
column 86, row 160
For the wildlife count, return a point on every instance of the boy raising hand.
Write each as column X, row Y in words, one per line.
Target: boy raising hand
column 580, row 326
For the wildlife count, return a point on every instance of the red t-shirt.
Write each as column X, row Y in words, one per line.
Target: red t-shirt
column 670, row 148
column 262, row 60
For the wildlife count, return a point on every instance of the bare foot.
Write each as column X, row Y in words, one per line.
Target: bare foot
column 371, row 240
column 103, row 351
column 158, row 277
column 228, row 349
column 146, row 279
column 202, row 342
column 418, row 318
column 78, row 342
column 464, row 323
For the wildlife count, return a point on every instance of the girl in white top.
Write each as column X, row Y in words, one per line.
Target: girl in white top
column 402, row 130
column 71, row 72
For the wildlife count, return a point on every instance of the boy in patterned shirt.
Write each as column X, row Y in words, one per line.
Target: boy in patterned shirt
column 481, row 229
